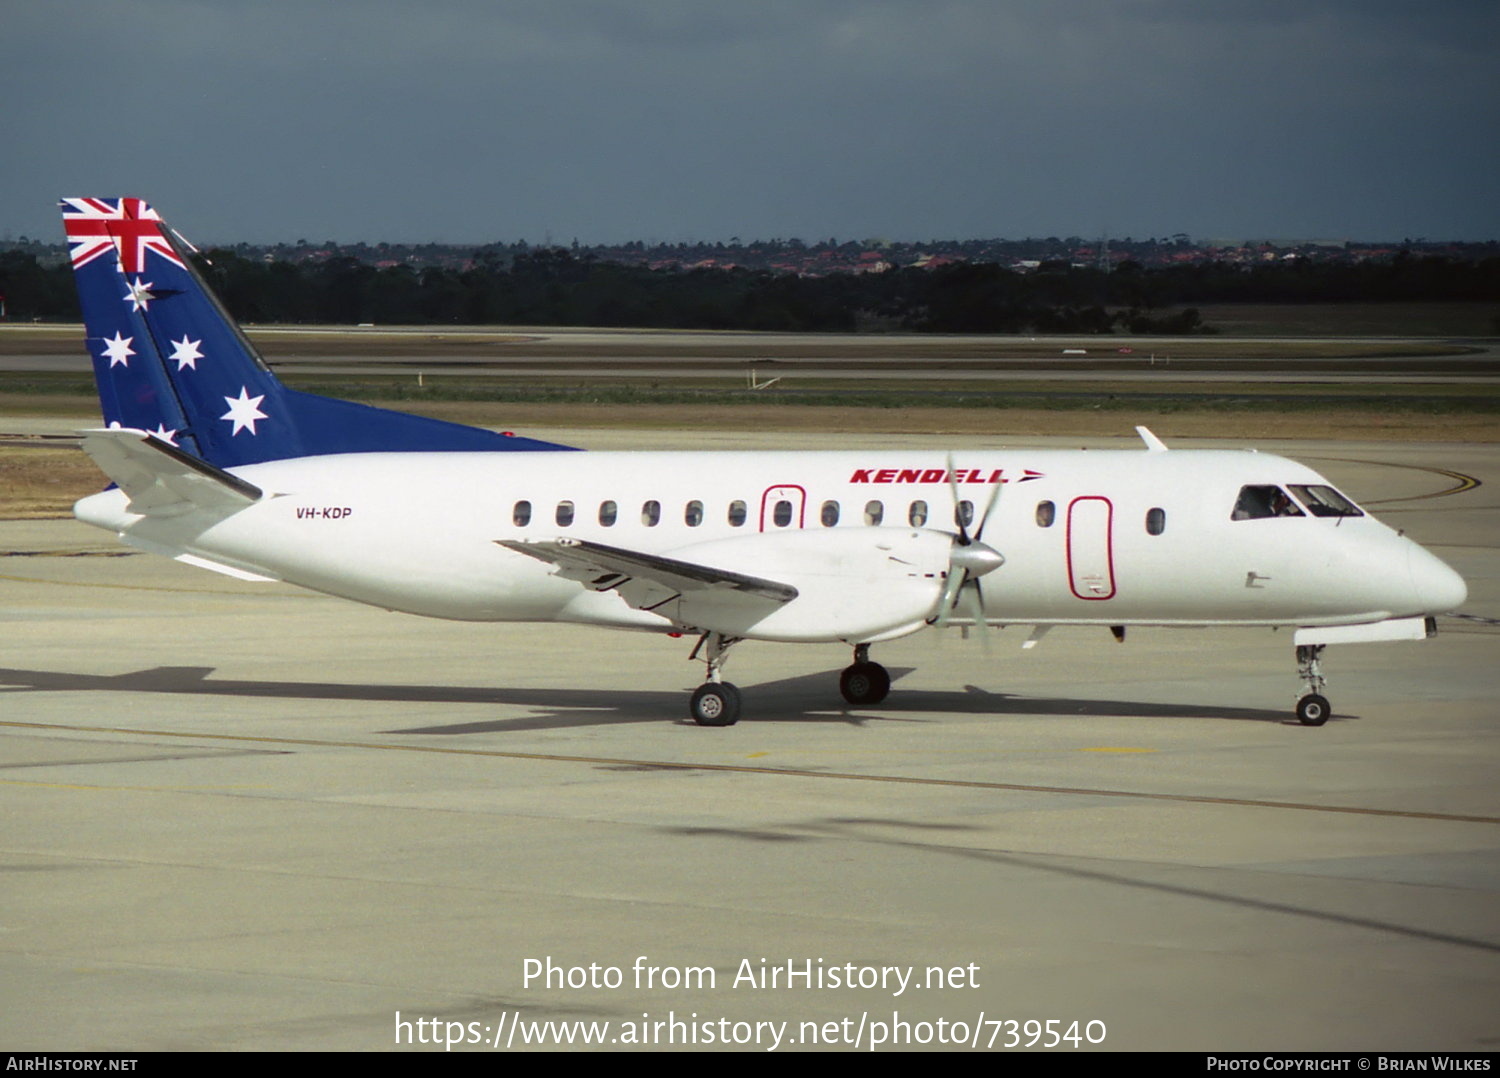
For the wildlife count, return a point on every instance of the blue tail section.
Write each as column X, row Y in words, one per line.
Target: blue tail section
column 168, row 359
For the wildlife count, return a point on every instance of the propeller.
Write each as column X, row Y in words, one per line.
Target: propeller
column 971, row 558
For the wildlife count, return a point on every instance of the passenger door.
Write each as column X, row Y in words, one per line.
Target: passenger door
column 1091, row 558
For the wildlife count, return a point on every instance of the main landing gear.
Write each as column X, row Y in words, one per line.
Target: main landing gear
column 716, row 703
column 864, row 682
column 1313, row 708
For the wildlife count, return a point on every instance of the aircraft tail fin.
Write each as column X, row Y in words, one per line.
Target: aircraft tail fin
column 170, row 360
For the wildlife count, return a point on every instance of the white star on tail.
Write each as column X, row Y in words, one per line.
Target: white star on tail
column 139, row 297
column 164, row 434
column 118, row 349
column 186, row 353
column 244, row 410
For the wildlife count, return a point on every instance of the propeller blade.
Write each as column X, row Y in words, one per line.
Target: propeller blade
column 976, row 611
column 988, row 509
column 952, row 587
column 958, row 518
column 970, row 559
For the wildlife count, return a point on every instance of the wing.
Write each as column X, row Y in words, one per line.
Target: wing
column 858, row 584
column 645, row 581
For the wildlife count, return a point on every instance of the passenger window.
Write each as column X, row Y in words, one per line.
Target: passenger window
column 1156, row 521
column 608, row 513
column 1258, row 502
column 963, row 514
column 521, row 515
column 874, row 513
column 782, row 514
column 737, row 514
column 830, row 514
column 564, row 514
column 1046, row 513
column 1324, row 501
column 916, row 516
column 692, row 514
column 651, row 514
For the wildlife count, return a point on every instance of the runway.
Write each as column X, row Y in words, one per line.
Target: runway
column 800, row 360
column 245, row 816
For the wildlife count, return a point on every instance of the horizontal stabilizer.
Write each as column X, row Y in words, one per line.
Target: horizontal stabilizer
column 160, row 478
column 604, row 567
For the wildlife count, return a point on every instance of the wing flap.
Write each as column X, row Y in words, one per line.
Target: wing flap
column 161, row 479
column 604, row 568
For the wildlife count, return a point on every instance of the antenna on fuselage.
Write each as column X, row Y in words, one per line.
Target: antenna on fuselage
column 1153, row 443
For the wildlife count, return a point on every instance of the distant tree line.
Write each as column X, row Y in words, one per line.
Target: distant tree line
column 553, row 286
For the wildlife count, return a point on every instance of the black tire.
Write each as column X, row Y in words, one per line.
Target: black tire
column 716, row 704
column 1313, row 710
column 865, row 683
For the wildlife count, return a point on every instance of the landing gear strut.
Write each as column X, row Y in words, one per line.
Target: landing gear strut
column 1313, row 708
column 716, row 702
column 865, row 682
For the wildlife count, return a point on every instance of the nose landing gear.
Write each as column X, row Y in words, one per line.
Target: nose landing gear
column 1313, row 708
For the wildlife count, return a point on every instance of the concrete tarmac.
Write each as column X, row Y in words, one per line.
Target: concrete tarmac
column 245, row 816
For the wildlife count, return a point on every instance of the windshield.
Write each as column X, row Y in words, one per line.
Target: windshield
column 1258, row 501
column 1324, row 501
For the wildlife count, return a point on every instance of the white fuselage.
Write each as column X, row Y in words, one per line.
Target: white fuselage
column 1107, row 537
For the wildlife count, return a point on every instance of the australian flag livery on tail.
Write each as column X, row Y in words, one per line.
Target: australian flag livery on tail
column 169, row 360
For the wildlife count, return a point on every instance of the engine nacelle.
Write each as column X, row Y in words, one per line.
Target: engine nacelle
column 853, row 584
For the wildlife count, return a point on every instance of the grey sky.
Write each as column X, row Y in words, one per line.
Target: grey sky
column 609, row 120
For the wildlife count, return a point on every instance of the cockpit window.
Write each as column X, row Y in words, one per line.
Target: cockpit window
column 1256, row 502
column 1323, row 501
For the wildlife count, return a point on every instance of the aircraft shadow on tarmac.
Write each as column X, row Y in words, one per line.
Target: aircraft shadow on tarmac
column 945, row 840
column 806, row 698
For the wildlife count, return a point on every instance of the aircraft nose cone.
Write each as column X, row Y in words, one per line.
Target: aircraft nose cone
column 1438, row 588
column 977, row 558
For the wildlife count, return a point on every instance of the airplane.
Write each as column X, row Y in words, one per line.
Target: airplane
column 218, row 465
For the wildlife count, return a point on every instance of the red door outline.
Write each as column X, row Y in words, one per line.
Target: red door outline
column 788, row 492
column 1091, row 549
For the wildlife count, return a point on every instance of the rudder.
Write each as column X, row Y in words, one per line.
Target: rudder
column 170, row 360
